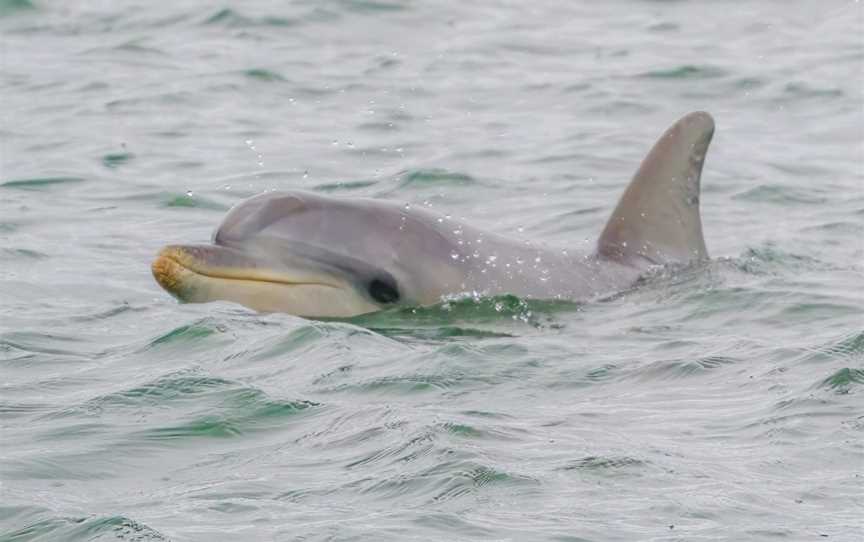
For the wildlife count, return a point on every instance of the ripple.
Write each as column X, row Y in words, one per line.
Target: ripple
column 234, row 19
column 445, row 481
column 147, row 102
column 11, row 7
column 438, row 333
column 687, row 71
column 87, row 529
column 835, row 228
column 402, row 385
column 117, row 159
column 411, row 449
column 161, row 392
column 243, row 411
column 437, row 177
column 664, row 370
column 844, row 380
column 468, row 479
column 473, row 432
column 18, row 253
column 44, row 343
column 664, row 27
column 261, row 74
column 40, row 183
column 372, row 6
column 849, row 348
column 805, row 91
column 169, row 200
column 770, row 260
column 602, row 464
column 781, row 195
column 344, row 186
column 189, row 332
column 137, row 48
column 46, row 466
column 9, row 410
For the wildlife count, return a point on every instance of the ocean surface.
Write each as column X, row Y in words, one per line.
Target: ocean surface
column 724, row 402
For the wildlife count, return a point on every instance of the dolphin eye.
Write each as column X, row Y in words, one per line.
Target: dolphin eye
column 383, row 291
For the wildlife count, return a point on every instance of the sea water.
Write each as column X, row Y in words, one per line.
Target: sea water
column 724, row 402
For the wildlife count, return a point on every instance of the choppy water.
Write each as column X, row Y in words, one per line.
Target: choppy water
column 723, row 403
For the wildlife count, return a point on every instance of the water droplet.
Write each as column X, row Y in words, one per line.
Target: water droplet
column 520, row 229
column 188, row 193
column 306, row 174
column 454, row 255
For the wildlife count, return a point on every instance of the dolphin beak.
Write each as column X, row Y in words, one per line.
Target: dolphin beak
column 167, row 270
column 175, row 265
column 203, row 273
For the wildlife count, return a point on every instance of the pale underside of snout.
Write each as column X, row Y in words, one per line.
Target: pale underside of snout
column 204, row 273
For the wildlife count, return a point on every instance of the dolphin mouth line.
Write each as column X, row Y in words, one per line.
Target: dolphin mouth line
column 172, row 263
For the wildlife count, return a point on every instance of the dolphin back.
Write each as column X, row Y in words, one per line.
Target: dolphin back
column 657, row 220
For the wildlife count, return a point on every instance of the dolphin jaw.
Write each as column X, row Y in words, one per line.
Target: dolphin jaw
column 193, row 259
column 186, row 274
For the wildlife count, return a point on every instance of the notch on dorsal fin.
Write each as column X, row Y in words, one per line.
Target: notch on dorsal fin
column 657, row 219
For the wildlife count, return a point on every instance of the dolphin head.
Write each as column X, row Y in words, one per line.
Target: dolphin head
column 316, row 256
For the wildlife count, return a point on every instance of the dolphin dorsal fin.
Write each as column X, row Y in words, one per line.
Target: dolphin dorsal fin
column 657, row 219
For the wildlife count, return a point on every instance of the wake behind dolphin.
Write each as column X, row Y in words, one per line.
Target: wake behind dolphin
column 317, row 256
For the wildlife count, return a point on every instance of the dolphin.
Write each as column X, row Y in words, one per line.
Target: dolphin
column 317, row 256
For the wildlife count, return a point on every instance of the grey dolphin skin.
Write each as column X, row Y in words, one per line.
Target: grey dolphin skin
column 318, row 256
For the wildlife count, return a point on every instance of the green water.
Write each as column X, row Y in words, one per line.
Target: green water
column 718, row 403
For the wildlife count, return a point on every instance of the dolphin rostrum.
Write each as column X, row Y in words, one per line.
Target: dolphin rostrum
column 317, row 256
